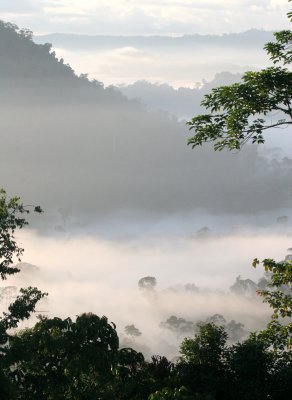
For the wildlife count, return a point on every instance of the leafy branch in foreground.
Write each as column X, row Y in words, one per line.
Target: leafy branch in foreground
column 12, row 217
column 242, row 112
column 279, row 297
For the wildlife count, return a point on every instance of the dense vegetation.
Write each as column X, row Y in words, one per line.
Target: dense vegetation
column 82, row 359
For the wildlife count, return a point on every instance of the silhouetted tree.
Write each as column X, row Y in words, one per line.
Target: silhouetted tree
column 12, row 218
column 147, row 283
column 132, row 331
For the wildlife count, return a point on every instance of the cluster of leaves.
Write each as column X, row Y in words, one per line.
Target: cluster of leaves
column 278, row 294
column 62, row 359
column 209, row 369
column 12, row 213
column 12, row 217
column 238, row 112
column 71, row 359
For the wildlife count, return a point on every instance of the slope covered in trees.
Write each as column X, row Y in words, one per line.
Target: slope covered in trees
column 181, row 102
column 32, row 73
column 81, row 359
column 89, row 151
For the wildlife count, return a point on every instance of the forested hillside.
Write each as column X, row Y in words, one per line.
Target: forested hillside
column 87, row 154
column 30, row 72
column 73, row 145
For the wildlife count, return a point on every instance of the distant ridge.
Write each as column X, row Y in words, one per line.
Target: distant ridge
column 251, row 38
column 86, row 153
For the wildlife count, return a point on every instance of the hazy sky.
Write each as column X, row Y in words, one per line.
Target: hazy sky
column 145, row 17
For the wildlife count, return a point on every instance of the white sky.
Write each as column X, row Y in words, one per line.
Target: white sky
column 145, row 16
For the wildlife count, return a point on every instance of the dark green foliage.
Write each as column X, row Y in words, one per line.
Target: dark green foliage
column 62, row 359
column 281, row 50
column 238, row 112
column 244, row 371
column 181, row 393
column 278, row 294
column 259, row 94
column 249, row 367
column 12, row 213
column 19, row 310
column 202, row 364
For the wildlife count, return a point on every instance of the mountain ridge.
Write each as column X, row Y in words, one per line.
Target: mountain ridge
column 252, row 38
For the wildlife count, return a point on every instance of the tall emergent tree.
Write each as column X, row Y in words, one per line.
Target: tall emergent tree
column 242, row 112
column 12, row 213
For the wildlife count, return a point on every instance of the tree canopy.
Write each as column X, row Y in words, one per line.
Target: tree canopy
column 242, row 112
column 12, row 218
column 12, row 213
column 278, row 294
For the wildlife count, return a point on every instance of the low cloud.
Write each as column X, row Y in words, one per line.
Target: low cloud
column 83, row 273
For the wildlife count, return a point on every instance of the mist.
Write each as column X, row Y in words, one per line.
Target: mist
column 183, row 61
column 80, row 163
column 123, row 195
column 84, row 273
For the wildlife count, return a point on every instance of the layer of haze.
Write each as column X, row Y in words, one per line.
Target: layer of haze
column 85, row 153
column 124, row 197
column 182, row 61
column 85, row 274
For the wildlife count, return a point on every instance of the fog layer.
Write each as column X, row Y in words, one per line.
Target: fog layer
column 179, row 61
column 82, row 273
